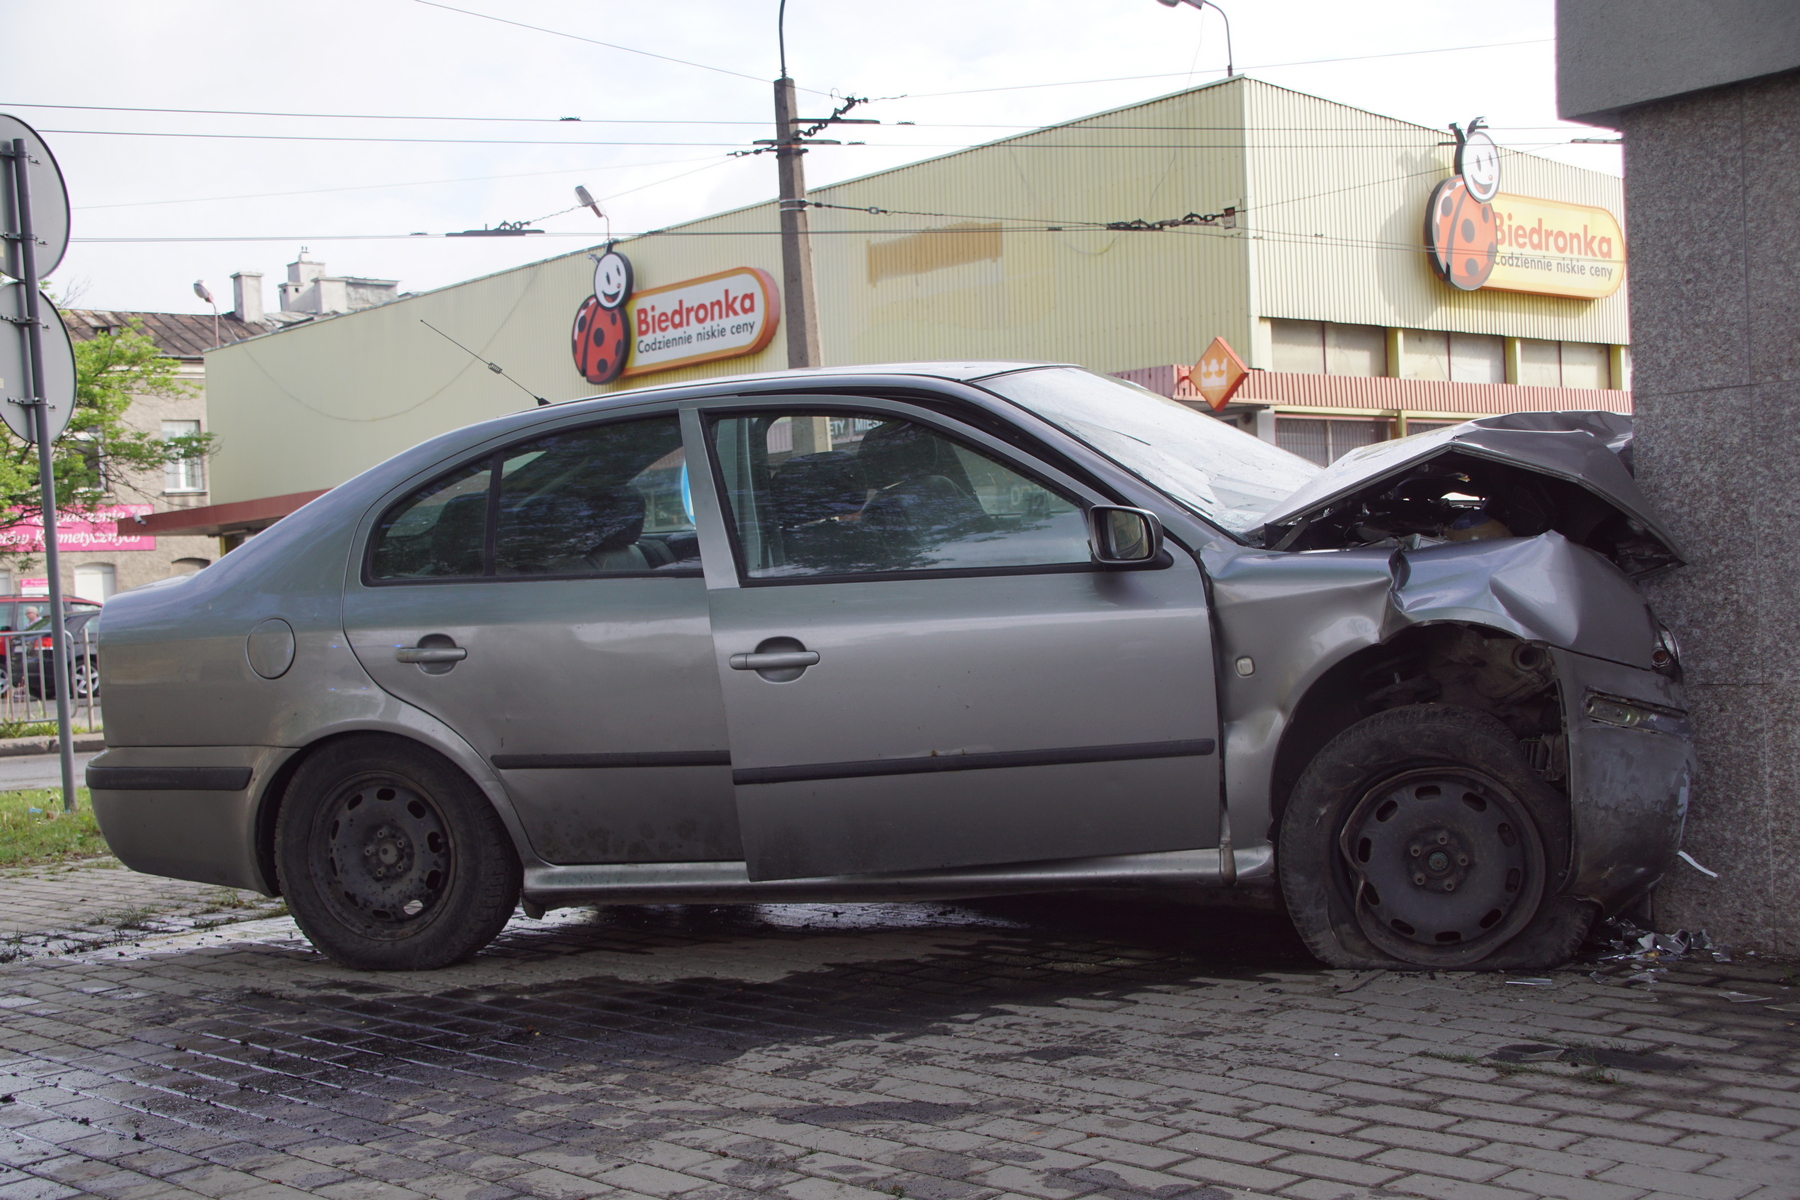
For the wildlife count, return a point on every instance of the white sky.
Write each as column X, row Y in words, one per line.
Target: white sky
column 404, row 57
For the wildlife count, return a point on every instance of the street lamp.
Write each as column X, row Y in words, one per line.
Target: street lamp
column 1203, row 5
column 200, row 291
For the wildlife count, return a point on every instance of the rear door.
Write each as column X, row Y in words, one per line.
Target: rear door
column 545, row 600
column 923, row 668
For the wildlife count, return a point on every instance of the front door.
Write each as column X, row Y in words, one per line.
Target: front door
column 546, row 602
column 923, row 668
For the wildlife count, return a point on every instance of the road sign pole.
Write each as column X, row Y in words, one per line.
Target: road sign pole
column 34, row 357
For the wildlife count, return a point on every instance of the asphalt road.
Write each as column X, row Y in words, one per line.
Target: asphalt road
column 37, row 771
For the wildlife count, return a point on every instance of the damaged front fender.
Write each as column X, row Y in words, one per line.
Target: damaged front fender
column 1296, row 629
column 1542, row 589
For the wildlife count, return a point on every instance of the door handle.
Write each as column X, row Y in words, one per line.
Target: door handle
column 431, row 654
column 777, row 660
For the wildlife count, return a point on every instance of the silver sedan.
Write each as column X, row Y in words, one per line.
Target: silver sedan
column 920, row 631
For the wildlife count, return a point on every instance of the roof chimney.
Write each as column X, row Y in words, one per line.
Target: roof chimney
column 247, row 297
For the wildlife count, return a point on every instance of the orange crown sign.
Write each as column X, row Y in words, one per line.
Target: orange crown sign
column 1219, row 373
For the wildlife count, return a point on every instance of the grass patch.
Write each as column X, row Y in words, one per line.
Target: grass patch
column 47, row 835
column 19, row 729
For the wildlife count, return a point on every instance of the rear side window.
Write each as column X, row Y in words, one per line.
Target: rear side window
column 604, row 500
column 438, row 532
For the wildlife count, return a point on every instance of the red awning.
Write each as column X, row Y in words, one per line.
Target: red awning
column 214, row 519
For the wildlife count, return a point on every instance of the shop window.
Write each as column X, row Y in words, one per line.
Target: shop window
column 1328, row 348
column 1540, row 363
column 1356, row 350
column 1297, row 346
column 1323, row 441
column 1585, row 365
column 186, row 474
column 1564, row 364
column 1477, row 358
column 95, row 581
column 1424, row 354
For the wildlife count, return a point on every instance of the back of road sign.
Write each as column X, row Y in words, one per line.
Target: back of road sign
column 49, row 202
column 58, row 384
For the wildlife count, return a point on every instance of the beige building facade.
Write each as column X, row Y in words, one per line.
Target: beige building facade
column 1293, row 227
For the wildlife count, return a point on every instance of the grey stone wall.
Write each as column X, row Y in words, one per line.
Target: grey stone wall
column 1712, row 189
column 1611, row 54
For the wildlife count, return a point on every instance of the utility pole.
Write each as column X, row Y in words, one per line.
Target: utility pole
column 800, row 302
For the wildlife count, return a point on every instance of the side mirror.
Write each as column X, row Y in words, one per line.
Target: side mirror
column 1124, row 536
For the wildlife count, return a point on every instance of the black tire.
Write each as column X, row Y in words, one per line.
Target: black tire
column 84, row 678
column 1422, row 837
column 391, row 859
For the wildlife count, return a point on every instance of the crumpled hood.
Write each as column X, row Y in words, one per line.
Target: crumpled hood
column 1592, row 450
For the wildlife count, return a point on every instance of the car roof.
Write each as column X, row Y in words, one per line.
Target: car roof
column 959, row 370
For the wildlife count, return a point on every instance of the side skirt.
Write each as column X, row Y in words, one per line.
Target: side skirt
column 728, row 882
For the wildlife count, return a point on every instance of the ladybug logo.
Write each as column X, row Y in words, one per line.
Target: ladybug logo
column 600, row 340
column 1460, row 229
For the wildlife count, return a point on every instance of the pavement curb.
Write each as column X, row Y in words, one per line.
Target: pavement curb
column 84, row 742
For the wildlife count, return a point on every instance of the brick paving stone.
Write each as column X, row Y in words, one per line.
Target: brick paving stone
column 1207, row 1146
column 1438, row 1187
column 97, row 902
column 1430, row 1163
column 1040, row 1048
column 1231, row 1174
column 1680, row 1183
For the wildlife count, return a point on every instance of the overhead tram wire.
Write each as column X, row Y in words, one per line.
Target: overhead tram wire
column 1037, row 225
column 250, row 112
column 1020, row 87
column 591, row 41
column 1011, row 143
column 364, row 187
column 231, row 112
column 1080, row 123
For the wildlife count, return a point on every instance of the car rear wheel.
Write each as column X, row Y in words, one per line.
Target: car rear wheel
column 391, row 859
column 1422, row 837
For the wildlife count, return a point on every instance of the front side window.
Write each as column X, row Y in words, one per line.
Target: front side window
column 604, row 500
column 861, row 493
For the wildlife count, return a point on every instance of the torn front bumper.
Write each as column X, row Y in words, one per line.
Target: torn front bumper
column 1630, row 766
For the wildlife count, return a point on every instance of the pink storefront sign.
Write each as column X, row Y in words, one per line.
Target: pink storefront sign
column 89, row 529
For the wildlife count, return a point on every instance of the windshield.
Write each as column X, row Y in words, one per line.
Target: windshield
column 1223, row 474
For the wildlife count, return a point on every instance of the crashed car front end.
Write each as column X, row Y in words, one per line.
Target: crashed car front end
column 1489, row 566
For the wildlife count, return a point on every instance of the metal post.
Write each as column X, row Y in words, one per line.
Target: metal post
column 800, row 305
column 34, row 354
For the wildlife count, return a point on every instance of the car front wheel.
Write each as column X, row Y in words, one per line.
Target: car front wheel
column 391, row 859
column 1422, row 837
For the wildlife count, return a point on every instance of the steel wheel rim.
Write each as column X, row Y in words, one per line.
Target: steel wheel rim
column 381, row 856
column 1445, row 865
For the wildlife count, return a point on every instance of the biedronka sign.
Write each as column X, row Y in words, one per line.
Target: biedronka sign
column 621, row 333
column 1481, row 237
